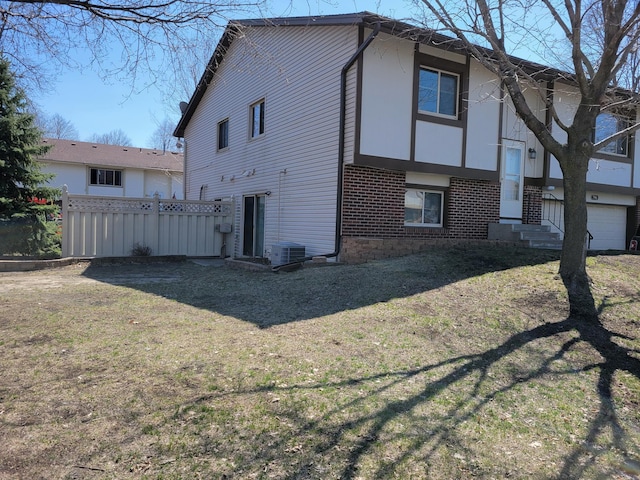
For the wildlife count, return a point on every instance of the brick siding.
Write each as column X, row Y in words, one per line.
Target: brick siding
column 373, row 214
column 532, row 205
column 637, row 224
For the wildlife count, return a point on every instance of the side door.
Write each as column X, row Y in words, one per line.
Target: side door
column 511, row 181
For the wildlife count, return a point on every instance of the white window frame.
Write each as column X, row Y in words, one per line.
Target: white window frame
column 261, row 119
column 424, row 191
column 457, row 92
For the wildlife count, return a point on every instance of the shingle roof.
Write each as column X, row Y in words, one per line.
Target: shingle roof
column 98, row 154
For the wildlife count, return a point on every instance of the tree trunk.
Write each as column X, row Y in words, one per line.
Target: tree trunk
column 574, row 250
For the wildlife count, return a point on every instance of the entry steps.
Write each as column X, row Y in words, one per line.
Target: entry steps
column 533, row 236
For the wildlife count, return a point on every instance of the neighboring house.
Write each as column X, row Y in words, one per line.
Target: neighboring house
column 360, row 136
column 113, row 171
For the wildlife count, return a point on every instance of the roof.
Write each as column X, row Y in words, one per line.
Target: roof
column 365, row 19
column 102, row 155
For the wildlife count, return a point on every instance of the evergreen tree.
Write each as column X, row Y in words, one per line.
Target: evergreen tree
column 25, row 199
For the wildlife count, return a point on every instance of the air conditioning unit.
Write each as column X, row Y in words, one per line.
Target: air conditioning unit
column 286, row 252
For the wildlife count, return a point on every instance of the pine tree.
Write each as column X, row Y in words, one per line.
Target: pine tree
column 25, row 198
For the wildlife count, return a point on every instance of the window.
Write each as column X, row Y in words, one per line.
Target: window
column 608, row 124
column 257, row 119
column 423, row 208
column 223, row 134
column 102, row 176
column 438, row 92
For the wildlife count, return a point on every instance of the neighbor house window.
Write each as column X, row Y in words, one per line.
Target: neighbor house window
column 223, row 134
column 438, row 92
column 608, row 124
column 257, row 119
column 423, row 208
column 103, row 176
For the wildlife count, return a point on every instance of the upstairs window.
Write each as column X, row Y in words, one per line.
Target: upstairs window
column 608, row 124
column 103, row 176
column 423, row 208
column 257, row 119
column 223, row 134
column 438, row 92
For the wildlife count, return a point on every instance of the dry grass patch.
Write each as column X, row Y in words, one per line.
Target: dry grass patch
column 459, row 363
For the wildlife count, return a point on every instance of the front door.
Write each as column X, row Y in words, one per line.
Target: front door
column 253, row 226
column 511, row 181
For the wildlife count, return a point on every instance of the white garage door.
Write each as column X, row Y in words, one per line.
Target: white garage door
column 608, row 225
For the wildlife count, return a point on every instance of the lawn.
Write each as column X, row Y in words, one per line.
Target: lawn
column 457, row 363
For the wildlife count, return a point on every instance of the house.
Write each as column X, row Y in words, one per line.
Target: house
column 361, row 137
column 113, row 171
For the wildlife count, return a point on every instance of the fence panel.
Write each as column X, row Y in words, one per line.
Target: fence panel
column 112, row 226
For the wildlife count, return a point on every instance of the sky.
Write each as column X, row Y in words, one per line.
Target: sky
column 94, row 106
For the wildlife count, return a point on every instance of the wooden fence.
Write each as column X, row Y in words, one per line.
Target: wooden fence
column 113, row 226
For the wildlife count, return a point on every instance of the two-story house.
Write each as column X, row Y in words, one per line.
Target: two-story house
column 358, row 136
column 114, row 171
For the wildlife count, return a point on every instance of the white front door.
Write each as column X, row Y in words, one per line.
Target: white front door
column 511, row 181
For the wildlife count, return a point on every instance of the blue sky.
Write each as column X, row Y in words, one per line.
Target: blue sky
column 94, row 106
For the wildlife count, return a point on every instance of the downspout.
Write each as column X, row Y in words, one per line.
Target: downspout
column 184, row 168
column 341, row 142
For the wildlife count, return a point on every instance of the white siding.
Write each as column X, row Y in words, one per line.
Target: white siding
column 438, row 144
column 609, row 172
column 483, row 119
column 75, row 177
column 297, row 71
column 161, row 182
column 133, row 183
column 605, row 172
column 438, row 52
column 387, row 92
column 514, row 128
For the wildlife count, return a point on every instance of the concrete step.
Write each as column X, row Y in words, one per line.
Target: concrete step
column 533, row 236
column 546, row 244
column 521, row 227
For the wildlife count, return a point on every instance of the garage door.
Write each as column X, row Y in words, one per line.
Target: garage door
column 608, row 225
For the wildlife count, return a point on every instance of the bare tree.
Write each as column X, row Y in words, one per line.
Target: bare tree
column 150, row 37
column 162, row 138
column 114, row 137
column 59, row 127
column 596, row 61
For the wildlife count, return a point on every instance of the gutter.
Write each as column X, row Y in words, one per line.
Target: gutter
column 341, row 142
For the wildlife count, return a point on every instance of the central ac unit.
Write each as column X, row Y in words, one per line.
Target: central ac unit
column 286, row 252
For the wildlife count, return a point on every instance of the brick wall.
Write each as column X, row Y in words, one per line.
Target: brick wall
column 532, row 205
column 373, row 214
column 635, row 227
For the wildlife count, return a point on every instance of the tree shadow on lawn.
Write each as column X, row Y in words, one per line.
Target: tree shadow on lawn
column 266, row 299
column 350, row 432
column 356, row 441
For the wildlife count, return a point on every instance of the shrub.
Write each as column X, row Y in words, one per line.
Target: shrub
column 139, row 250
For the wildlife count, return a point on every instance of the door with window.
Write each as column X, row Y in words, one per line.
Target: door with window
column 253, row 225
column 511, row 181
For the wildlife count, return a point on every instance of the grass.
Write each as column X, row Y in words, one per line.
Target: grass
column 458, row 363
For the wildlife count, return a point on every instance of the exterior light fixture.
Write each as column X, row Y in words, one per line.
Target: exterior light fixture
column 532, row 153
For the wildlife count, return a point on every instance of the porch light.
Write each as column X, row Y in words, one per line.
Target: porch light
column 532, row 153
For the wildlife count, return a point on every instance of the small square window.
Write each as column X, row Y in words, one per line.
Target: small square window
column 438, row 92
column 223, row 134
column 257, row 119
column 423, row 208
column 607, row 125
